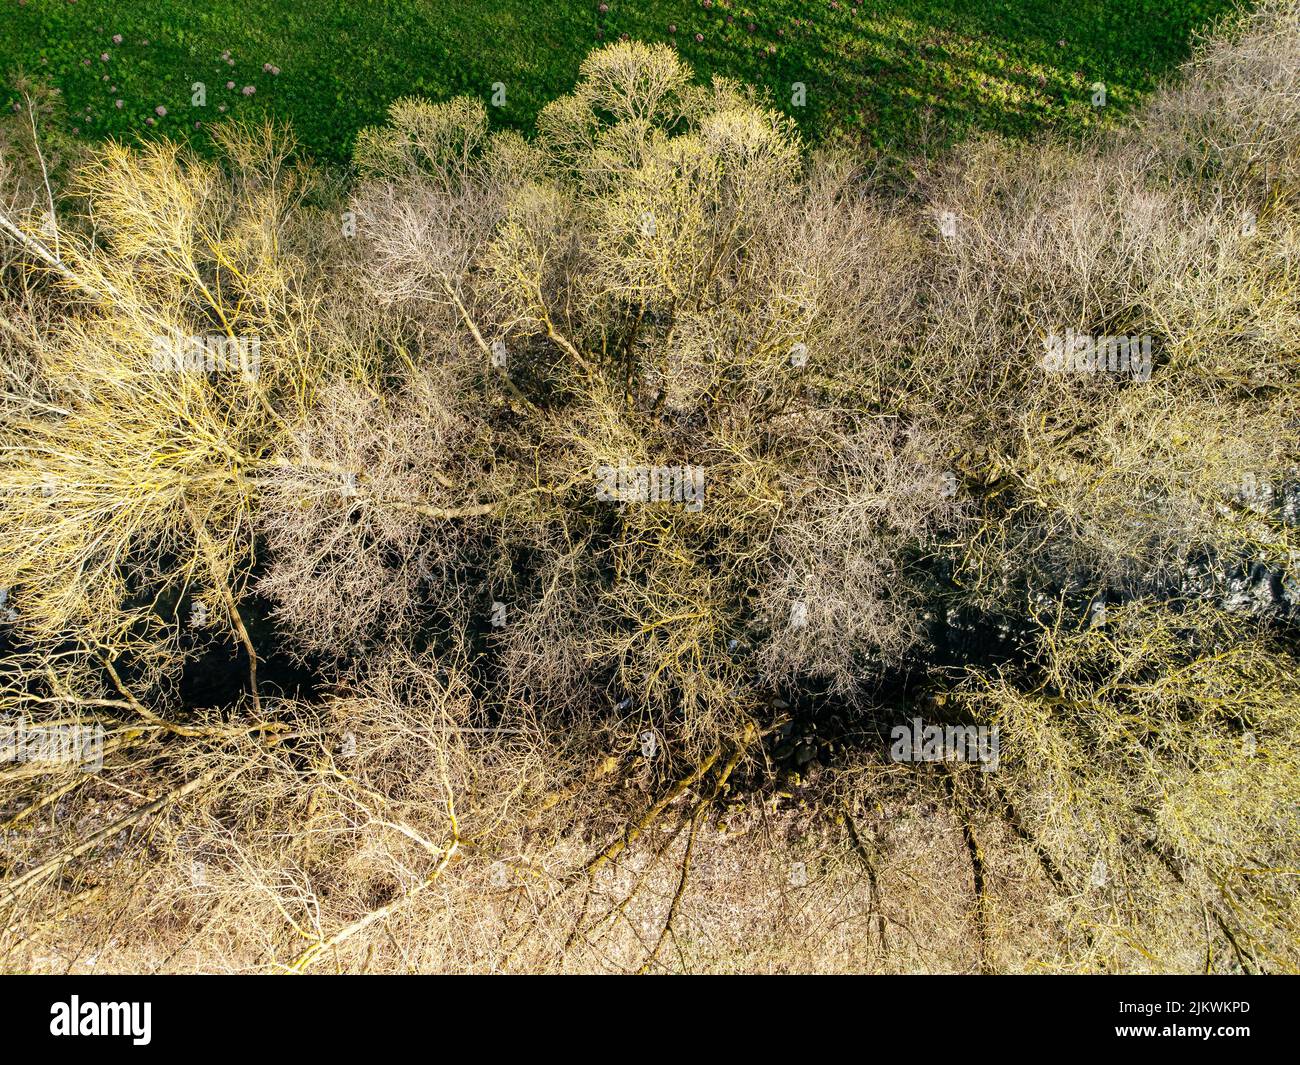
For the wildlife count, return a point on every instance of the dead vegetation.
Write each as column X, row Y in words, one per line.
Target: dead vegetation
column 551, row 728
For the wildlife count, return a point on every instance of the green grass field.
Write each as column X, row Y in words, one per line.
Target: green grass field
column 879, row 71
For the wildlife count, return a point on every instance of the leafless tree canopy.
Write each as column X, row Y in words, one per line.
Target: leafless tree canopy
column 614, row 489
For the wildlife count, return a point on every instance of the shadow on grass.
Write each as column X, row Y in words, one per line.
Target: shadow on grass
column 882, row 72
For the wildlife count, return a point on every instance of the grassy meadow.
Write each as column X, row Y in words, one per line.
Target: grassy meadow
column 888, row 73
